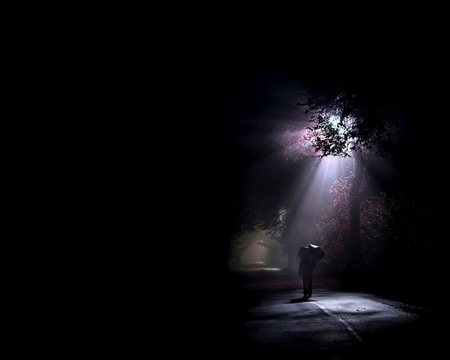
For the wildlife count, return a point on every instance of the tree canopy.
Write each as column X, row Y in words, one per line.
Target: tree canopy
column 348, row 114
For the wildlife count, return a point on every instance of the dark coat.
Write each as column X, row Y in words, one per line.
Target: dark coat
column 306, row 267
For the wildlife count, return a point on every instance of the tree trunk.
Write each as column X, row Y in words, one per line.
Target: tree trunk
column 355, row 256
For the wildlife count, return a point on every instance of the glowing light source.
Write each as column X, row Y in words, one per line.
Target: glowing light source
column 334, row 121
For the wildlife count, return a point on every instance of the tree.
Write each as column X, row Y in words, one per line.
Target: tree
column 350, row 116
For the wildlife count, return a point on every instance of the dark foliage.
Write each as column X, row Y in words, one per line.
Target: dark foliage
column 348, row 114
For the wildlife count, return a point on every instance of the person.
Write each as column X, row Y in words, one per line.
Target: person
column 306, row 269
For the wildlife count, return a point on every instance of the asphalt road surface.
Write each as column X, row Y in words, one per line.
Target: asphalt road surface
column 271, row 320
column 331, row 325
column 265, row 317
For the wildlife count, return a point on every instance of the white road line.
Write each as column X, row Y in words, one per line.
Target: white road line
column 346, row 324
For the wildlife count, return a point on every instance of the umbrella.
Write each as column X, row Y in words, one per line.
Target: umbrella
column 311, row 253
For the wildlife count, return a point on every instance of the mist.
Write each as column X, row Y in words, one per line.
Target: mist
column 250, row 196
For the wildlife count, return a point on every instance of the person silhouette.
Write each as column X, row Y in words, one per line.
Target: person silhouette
column 306, row 270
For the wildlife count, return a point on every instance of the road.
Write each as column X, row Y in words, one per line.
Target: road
column 264, row 317
column 333, row 324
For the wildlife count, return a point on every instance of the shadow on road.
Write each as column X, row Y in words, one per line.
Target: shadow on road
column 297, row 300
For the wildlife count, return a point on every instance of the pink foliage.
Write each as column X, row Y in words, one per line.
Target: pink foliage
column 296, row 142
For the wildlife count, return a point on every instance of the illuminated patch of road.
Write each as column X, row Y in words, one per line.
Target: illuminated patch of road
column 346, row 324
